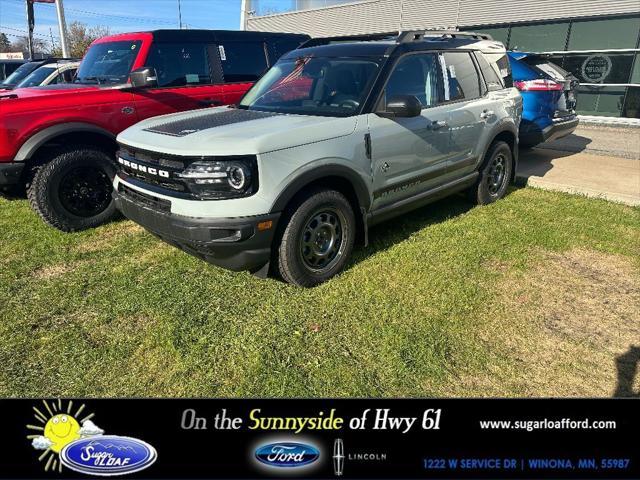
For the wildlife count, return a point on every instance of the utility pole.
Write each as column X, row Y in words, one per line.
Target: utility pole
column 244, row 9
column 63, row 29
column 30, row 24
column 179, row 15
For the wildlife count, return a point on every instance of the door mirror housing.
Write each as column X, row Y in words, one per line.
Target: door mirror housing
column 402, row 106
column 144, row 77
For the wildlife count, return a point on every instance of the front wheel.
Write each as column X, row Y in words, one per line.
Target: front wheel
column 317, row 240
column 495, row 175
column 72, row 191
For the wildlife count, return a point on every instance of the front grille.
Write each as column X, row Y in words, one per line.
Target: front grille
column 153, row 168
column 155, row 203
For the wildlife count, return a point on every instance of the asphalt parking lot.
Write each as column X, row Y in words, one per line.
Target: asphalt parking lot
column 596, row 161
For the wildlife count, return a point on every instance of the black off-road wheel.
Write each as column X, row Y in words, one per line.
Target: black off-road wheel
column 495, row 175
column 317, row 240
column 72, row 191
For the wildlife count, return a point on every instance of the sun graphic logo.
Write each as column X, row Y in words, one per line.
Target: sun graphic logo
column 59, row 428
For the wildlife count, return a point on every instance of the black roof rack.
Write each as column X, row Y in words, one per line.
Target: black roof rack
column 397, row 37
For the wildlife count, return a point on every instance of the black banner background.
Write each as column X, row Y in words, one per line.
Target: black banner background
column 214, row 453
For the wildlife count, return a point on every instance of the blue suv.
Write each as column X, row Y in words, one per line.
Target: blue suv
column 549, row 98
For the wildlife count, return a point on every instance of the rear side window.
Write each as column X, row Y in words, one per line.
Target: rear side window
column 180, row 65
column 545, row 66
column 281, row 46
column 242, row 61
column 491, row 78
column 504, row 67
column 461, row 77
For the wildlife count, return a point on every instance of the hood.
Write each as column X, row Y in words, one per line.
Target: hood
column 49, row 90
column 232, row 131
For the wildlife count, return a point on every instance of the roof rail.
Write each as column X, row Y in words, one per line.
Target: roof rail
column 315, row 42
column 416, row 35
column 398, row 37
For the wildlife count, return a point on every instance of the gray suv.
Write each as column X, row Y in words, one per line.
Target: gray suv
column 338, row 135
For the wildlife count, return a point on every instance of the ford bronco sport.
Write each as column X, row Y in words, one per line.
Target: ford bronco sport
column 60, row 140
column 337, row 136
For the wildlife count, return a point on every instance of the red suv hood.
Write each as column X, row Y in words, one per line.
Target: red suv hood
column 38, row 92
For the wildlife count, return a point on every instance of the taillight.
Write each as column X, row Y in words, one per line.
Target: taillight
column 538, row 85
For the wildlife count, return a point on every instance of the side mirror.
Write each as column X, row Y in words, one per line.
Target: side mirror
column 144, row 77
column 402, row 106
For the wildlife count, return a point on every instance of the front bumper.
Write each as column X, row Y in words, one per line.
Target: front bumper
column 232, row 243
column 10, row 173
column 531, row 134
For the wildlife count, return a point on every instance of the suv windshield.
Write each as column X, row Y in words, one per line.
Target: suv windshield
column 20, row 73
column 108, row 62
column 314, row 86
column 37, row 77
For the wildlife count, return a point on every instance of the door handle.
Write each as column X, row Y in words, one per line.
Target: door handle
column 209, row 102
column 438, row 124
column 486, row 114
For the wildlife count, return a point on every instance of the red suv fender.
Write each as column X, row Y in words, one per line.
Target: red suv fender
column 42, row 137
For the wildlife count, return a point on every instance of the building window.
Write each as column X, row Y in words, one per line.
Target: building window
column 604, row 101
column 499, row 34
column 604, row 34
column 598, row 67
column 539, row 38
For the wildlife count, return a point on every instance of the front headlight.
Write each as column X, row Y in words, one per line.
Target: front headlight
column 219, row 179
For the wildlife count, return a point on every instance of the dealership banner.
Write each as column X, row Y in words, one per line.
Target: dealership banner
column 320, row 438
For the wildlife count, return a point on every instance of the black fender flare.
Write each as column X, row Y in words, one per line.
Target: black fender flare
column 318, row 173
column 34, row 142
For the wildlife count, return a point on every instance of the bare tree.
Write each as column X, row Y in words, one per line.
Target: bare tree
column 21, row 44
column 5, row 44
column 79, row 37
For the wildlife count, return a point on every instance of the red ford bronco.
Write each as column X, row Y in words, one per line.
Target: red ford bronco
column 59, row 141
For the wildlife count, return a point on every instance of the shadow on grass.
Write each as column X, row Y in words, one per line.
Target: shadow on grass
column 394, row 231
column 627, row 365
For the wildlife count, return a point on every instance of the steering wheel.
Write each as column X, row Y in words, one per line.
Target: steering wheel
column 352, row 104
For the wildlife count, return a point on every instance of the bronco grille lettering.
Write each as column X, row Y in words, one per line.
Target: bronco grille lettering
column 144, row 169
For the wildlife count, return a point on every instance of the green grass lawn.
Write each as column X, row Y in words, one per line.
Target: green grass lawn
column 449, row 300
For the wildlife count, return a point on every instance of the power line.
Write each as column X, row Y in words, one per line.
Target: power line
column 24, row 32
column 154, row 20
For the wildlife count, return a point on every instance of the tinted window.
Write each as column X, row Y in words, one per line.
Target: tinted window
column 36, row 77
column 21, row 73
column 501, row 34
column 243, row 61
column 415, row 75
column 179, row 65
column 282, row 46
column 539, row 38
column 604, row 34
column 108, row 62
column 599, row 67
column 461, row 77
column 493, row 81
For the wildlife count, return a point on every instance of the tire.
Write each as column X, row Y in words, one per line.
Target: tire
column 327, row 216
column 72, row 191
column 495, row 175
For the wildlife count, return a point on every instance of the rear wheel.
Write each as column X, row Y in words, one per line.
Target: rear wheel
column 495, row 175
column 317, row 240
column 72, row 191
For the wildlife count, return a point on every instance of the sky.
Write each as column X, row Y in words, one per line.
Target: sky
column 128, row 15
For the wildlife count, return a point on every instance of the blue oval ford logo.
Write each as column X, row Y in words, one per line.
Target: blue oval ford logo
column 287, row 454
column 108, row 455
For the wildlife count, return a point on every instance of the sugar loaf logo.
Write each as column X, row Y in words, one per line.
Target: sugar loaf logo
column 287, row 454
column 68, row 437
